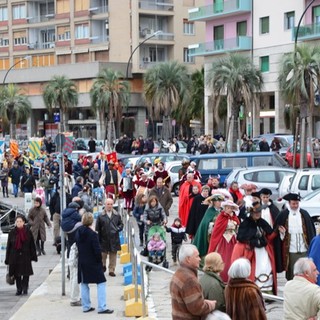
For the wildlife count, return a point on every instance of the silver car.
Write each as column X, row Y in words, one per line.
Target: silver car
column 262, row 177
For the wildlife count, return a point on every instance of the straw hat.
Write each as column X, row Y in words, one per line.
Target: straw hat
column 230, row 204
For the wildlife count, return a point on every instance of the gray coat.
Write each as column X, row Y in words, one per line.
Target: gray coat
column 108, row 231
column 164, row 196
column 37, row 218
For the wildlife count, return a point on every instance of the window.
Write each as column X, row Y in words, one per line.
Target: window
column 242, row 28
column 63, row 6
column 63, row 33
column 303, row 183
column 289, row 20
column 218, row 6
column 186, row 57
column 82, row 31
column 266, row 176
column 4, row 40
column 264, row 25
column 208, row 164
column 188, row 27
column 218, row 35
column 264, row 64
column 315, row 182
column 316, row 14
column 81, row 5
column 19, row 38
column 19, row 11
column 3, row 14
column 233, row 163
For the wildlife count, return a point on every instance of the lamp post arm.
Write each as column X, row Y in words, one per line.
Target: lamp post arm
column 136, row 48
column 299, row 23
column 5, row 77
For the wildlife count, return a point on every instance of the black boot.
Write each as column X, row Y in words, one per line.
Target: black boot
column 38, row 249
column 42, row 248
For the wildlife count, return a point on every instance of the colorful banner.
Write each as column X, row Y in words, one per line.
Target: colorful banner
column 14, row 148
column 68, row 145
column 34, row 147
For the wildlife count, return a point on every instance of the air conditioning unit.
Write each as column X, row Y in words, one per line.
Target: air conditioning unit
column 51, row 45
column 146, row 59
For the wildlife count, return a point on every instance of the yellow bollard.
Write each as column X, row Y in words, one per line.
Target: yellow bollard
column 134, row 308
column 125, row 258
column 129, row 291
column 124, row 248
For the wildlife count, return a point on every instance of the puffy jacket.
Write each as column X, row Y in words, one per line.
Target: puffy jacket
column 76, row 189
column 177, row 234
column 70, row 216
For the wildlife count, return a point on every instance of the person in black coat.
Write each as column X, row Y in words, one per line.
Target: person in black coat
column 296, row 230
column 21, row 250
column 264, row 145
column 90, row 269
column 108, row 226
column 28, row 182
column 197, row 211
column 15, row 174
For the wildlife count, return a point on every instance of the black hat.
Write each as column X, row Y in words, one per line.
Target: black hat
column 256, row 194
column 292, row 196
column 266, row 191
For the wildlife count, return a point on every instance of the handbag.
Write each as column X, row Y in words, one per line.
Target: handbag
column 9, row 279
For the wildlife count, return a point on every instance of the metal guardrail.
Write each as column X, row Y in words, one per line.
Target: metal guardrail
column 129, row 234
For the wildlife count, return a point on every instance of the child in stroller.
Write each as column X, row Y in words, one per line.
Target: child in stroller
column 156, row 247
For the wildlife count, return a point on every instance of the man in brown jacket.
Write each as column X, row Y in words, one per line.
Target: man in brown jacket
column 186, row 293
column 163, row 194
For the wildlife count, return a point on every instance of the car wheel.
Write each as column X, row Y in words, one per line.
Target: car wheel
column 316, row 222
column 175, row 189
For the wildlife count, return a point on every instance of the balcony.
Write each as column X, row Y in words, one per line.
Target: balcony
column 307, row 32
column 164, row 36
column 38, row 19
column 240, row 43
column 40, row 46
column 99, row 39
column 161, row 5
column 98, row 10
column 221, row 9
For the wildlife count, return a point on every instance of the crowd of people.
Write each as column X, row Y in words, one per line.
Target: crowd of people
column 235, row 235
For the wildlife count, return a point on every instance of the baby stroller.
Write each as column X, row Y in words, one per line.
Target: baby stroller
column 157, row 254
column 98, row 196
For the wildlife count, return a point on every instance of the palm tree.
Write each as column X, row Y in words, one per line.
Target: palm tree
column 298, row 81
column 60, row 93
column 166, row 88
column 14, row 107
column 108, row 95
column 235, row 77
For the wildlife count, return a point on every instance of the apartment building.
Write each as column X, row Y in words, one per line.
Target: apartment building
column 263, row 30
column 78, row 38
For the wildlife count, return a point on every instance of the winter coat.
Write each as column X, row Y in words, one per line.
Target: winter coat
column 78, row 170
column 87, row 203
column 76, row 189
column 164, row 196
column 213, row 289
column 90, row 268
column 37, row 220
column 108, row 231
column 70, row 216
column 19, row 261
column 154, row 245
column 242, row 296
column 28, row 181
column 4, row 181
column 156, row 215
column 177, row 234
column 138, row 213
column 15, row 175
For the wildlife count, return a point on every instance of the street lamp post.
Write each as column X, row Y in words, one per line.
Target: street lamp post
column 302, row 146
column 138, row 46
column 22, row 59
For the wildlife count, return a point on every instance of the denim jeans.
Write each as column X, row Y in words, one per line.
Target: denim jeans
column 101, row 295
column 15, row 189
column 48, row 194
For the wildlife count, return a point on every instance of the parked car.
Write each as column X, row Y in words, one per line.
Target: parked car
column 165, row 157
column 129, row 158
column 8, row 216
column 262, row 177
column 173, row 170
column 304, row 181
column 289, row 156
column 223, row 163
column 182, row 146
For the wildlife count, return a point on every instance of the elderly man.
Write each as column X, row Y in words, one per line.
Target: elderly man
column 108, row 226
column 95, row 175
column 186, row 293
column 302, row 294
column 296, row 230
column 163, row 194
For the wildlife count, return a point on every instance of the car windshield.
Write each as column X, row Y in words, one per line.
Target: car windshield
column 311, row 195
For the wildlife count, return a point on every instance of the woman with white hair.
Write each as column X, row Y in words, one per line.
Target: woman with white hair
column 223, row 236
column 211, row 282
column 243, row 297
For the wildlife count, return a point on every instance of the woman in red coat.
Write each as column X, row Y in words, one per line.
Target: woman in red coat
column 223, row 237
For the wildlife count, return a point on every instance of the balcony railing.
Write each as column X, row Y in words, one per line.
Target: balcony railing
column 43, row 45
column 99, row 39
column 147, row 64
column 226, row 8
column 240, row 43
column 156, row 5
column 97, row 10
column 307, row 32
column 162, row 36
column 44, row 18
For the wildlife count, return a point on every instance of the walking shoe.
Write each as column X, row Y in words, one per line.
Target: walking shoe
column 89, row 310
column 112, row 274
column 43, row 252
column 106, row 311
column 141, row 244
column 76, row 304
